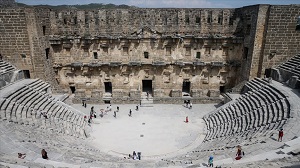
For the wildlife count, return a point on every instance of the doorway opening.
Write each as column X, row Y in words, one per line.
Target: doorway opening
column 222, row 89
column 26, row 74
column 147, row 86
column 73, row 89
column 267, row 73
column 186, row 86
column 108, row 87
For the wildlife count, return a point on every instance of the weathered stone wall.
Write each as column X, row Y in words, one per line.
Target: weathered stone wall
column 39, row 32
column 282, row 40
column 125, row 21
column 24, row 39
column 14, row 39
column 213, row 49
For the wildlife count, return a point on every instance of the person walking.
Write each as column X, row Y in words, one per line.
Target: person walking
column 130, row 113
column 118, row 109
column 210, row 161
column 186, row 119
column 115, row 114
column 280, row 135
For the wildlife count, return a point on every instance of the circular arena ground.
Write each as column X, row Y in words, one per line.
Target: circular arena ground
column 154, row 131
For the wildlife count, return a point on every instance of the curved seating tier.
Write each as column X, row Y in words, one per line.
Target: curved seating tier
column 5, row 67
column 26, row 101
column 9, row 74
column 262, row 109
column 288, row 72
column 292, row 65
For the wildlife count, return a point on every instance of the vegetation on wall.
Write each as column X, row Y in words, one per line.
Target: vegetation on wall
column 83, row 7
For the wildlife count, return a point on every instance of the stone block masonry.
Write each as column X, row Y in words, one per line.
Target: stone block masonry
column 119, row 55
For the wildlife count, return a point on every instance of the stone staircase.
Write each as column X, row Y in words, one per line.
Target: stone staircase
column 146, row 101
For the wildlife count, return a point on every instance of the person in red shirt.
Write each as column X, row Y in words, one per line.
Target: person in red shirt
column 280, row 135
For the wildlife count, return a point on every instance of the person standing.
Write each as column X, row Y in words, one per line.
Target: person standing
column 186, row 119
column 115, row 114
column 280, row 135
column 118, row 109
column 191, row 106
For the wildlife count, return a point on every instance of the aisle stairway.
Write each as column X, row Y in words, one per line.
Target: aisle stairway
column 146, row 101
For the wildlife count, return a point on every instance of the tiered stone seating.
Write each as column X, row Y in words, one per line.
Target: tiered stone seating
column 25, row 101
column 262, row 109
column 5, row 67
column 288, row 72
column 292, row 65
column 6, row 73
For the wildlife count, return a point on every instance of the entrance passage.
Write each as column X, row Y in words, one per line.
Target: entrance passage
column 108, row 87
column 147, row 86
column 72, row 89
column 268, row 73
column 26, row 74
column 222, row 89
column 186, row 86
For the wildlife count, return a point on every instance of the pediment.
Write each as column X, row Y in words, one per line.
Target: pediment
column 146, row 32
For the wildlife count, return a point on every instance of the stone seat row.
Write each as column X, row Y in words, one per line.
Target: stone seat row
column 28, row 104
column 222, row 124
column 292, row 65
column 259, row 107
column 5, row 67
column 239, row 137
column 265, row 114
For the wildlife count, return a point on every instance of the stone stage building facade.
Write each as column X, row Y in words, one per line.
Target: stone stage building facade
column 119, row 55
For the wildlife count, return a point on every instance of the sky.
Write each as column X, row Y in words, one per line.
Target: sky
column 166, row 3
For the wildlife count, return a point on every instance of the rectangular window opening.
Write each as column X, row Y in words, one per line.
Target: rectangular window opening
column 44, row 30
column 198, row 55
column 187, row 19
column 245, row 55
column 47, row 52
column 75, row 20
column 197, row 20
column 95, row 55
column 146, row 55
column 209, row 17
column 220, row 20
